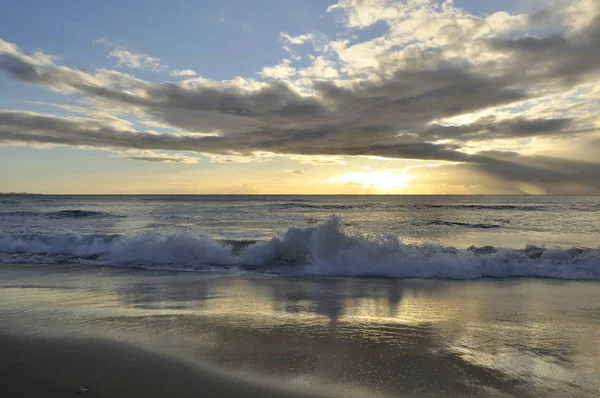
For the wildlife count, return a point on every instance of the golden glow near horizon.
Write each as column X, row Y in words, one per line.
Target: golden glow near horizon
column 383, row 182
column 281, row 175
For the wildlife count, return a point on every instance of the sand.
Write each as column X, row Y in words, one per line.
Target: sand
column 132, row 333
column 59, row 367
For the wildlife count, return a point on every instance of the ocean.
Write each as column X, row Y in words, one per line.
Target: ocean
column 432, row 237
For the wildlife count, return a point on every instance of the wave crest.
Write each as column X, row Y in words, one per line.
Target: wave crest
column 323, row 249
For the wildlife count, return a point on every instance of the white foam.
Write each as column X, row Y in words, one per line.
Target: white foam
column 325, row 249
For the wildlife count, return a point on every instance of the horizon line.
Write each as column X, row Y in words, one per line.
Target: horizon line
column 283, row 194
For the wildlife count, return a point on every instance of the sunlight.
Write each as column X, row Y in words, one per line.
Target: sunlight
column 387, row 181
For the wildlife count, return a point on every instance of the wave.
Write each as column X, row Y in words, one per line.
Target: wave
column 18, row 213
column 482, row 207
column 61, row 214
column 76, row 214
column 420, row 206
column 305, row 206
column 324, row 249
column 217, row 198
column 459, row 224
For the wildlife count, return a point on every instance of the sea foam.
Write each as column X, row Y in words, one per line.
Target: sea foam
column 323, row 249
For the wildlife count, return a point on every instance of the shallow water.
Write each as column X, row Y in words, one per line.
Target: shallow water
column 386, row 337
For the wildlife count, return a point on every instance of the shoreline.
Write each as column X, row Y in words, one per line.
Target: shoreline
column 252, row 271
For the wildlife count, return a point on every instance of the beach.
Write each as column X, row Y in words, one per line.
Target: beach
column 130, row 332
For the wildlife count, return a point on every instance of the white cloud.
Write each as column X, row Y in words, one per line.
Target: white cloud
column 126, row 58
column 103, row 41
column 295, row 40
column 321, row 68
column 288, row 41
column 363, row 13
column 182, row 73
column 282, row 70
column 418, row 27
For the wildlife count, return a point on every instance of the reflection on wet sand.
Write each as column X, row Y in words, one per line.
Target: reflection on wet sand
column 390, row 337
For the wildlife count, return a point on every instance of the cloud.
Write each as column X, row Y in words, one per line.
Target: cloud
column 535, row 174
column 103, row 41
column 126, row 58
column 541, row 169
column 363, row 13
column 282, row 70
column 489, row 128
column 182, row 73
column 362, row 118
column 21, row 127
column 566, row 58
column 287, row 42
column 435, row 29
column 320, row 68
column 16, row 126
column 297, row 172
column 319, row 160
column 160, row 158
column 295, row 40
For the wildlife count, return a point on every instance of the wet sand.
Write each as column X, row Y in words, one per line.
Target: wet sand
column 60, row 367
column 125, row 332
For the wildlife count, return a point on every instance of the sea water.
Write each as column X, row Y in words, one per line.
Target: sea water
column 439, row 237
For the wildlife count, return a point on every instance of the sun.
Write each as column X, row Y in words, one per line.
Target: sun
column 383, row 182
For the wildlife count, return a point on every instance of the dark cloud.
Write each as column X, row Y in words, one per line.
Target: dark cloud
column 540, row 169
column 489, row 128
column 567, row 59
column 42, row 129
column 159, row 159
column 532, row 44
column 509, row 173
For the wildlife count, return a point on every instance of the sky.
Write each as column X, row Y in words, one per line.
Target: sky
column 300, row 97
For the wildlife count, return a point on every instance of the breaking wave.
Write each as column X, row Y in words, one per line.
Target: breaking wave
column 323, row 249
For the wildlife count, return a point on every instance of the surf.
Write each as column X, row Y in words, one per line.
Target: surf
column 326, row 249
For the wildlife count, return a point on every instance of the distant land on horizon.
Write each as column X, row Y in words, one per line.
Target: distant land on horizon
column 20, row 194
